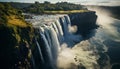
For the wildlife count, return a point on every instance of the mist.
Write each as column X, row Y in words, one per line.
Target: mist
column 106, row 22
column 81, row 55
column 89, row 53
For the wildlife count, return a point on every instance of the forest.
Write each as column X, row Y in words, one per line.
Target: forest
column 50, row 7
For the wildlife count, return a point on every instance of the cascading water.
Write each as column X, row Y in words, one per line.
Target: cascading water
column 69, row 38
column 57, row 47
column 40, row 51
column 51, row 34
column 60, row 32
column 45, row 49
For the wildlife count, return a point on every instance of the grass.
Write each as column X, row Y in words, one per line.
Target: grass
column 14, row 20
column 16, row 23
column 65, row 12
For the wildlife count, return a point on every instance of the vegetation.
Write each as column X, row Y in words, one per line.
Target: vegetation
column 48, row 7
column 15, row 39
column 8, row 14
column 65, row 12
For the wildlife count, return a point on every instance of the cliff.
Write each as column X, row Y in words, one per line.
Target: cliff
column 15, row 47
column 15, row 39
column 19, row 41
column 85, row 22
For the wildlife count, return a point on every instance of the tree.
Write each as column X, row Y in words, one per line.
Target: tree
column 36, row 2
column 46, row 2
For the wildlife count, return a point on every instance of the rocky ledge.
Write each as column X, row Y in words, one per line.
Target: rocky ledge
column 85, row 22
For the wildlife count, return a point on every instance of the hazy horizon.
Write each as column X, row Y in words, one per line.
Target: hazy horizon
column 84, row 2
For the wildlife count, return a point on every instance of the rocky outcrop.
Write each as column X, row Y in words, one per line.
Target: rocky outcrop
column 85, row 22
column 15, row 47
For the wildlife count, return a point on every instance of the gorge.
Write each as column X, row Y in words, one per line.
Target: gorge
column 58, row 36
column 44, row 41
column 53, row 32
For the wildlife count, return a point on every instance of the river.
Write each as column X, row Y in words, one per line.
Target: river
column 101, row 51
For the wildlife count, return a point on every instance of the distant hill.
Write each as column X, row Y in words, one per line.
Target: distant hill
column 18, row 5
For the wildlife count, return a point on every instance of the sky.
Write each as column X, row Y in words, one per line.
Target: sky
column 86, row 2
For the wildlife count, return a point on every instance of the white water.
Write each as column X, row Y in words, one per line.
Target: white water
column 47, row 48
column 54, row 31
column 40, row 52
column 58, row 38
column 60, row 32
column 55, row 43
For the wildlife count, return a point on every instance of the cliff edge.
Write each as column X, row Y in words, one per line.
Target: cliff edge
column 85, row 22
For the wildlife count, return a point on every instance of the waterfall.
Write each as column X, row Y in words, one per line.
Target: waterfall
column 39, row 49
column 69, row 38
column 68, row 21
column 50, row 37
column 64, row 26
column 45, row 48
column 55, row 42
column 60, row 32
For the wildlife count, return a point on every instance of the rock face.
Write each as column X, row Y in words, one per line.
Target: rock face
column 85, row 22
column 15, row 51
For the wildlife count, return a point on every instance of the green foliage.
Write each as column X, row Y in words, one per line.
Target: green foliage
column 5, row 10
column 47, row 6
column 36, row 2
column 3, row 18
column 15, row 38
column 19, row 12
column 46, row 2
column 1, row 6
column 68, row 6
column 18, row 5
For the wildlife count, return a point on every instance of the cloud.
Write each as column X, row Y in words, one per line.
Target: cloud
column 105, row 3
